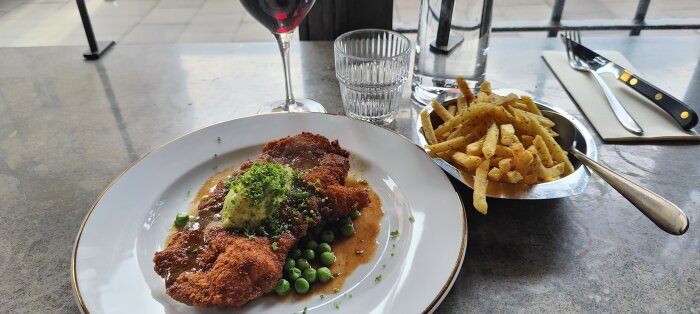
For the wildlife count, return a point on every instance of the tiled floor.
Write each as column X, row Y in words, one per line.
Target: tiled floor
column 56, row 22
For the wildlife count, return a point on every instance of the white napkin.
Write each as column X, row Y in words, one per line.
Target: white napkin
column 657, row 124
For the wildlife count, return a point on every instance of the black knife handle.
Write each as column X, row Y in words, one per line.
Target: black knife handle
column 686, row 117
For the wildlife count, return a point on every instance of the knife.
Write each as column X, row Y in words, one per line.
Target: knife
column 684, row 115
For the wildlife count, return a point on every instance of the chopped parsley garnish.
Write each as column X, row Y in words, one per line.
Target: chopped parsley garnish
column 218, row 139
column 322, row 296
column 383, row 265
column 336, row 305
column 304, row 312
column 394, row 234
column 411, row 219
column 378, row 279
column 392, row 254
column 393, row 245
column 274, row 246
column 216, row 155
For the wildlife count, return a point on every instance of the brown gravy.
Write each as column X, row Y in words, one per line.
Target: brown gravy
column 367, row 228
column 350, row 252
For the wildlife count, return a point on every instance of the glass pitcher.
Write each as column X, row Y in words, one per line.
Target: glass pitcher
column 453, row 40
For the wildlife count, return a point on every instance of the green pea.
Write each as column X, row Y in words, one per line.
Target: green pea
column 301, row 286
column 308, row 254
column 296, row 253
column 282, row 287
column 293, row 273
column 288, row 263
column 303, row 264
column 354, row 214
column 181, row 219
column 324, row 274
column 312, row 245
column 323, row 247
column 347, row 230
column 327, row 258
column 309, row 274
column 328, row 236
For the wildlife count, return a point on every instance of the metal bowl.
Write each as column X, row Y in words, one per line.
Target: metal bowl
column 572, row 184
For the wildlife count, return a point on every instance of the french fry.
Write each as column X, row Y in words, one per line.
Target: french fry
column 467, row 161
column 509, row 99
column 531, row 106
column 446, row 155
column 477, row 132
column 558, row 154
column 503, row 151
column 513, row 177
column 495, row 160
column 474, row 148
column 452, row 110
column 482, row 97
column 453, row 144
column 527, row 140
column 465, row 128
column 532, row 150
column 427, row 128
column 473, row 112
column 490, row 141
column 548, row 174
column 502, row 116
column 464, row 88
column 507, row 134
column 485, row 87
column 505, row 164
column 522, row 123
column 544, row 121
column 462, row 103
column 495, row 174
column 441, row 111
column 480, row 184
column 518, row 106
column 521, row 159
column 543, row 151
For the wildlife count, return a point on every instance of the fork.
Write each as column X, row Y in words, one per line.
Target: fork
column 577, row 64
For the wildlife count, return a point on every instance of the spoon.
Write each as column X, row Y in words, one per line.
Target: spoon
column 661, row 211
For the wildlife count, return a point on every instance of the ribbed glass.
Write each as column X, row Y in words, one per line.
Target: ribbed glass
column 371, row 66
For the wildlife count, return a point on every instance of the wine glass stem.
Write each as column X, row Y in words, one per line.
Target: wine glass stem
column 283, row 41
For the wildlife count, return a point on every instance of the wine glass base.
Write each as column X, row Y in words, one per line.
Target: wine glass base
column 302, row 105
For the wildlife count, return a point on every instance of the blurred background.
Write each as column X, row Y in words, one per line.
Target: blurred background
column 25, row 23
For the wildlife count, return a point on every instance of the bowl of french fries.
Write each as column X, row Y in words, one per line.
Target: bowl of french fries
column 501, row 144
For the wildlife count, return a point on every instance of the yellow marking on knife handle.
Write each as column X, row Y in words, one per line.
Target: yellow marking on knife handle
column 633, row 81
column 625, row 76
column 658, row 96
column 685, row 115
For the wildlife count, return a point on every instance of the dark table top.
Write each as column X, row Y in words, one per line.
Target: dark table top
column 68, row 127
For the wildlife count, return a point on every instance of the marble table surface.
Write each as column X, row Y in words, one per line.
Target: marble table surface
column 68, row 127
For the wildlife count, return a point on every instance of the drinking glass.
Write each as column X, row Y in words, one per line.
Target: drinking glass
column 282, row 17
column 371, row 66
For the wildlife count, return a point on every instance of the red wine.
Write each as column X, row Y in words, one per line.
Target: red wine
column 279, row 16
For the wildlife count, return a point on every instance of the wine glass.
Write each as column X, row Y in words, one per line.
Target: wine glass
column 281, row 17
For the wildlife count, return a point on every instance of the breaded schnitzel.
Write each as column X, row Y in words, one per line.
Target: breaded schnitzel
column 208, row 265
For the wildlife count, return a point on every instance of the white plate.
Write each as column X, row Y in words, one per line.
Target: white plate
column 112, row 259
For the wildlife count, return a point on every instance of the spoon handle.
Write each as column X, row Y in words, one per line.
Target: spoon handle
column 662, row 212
